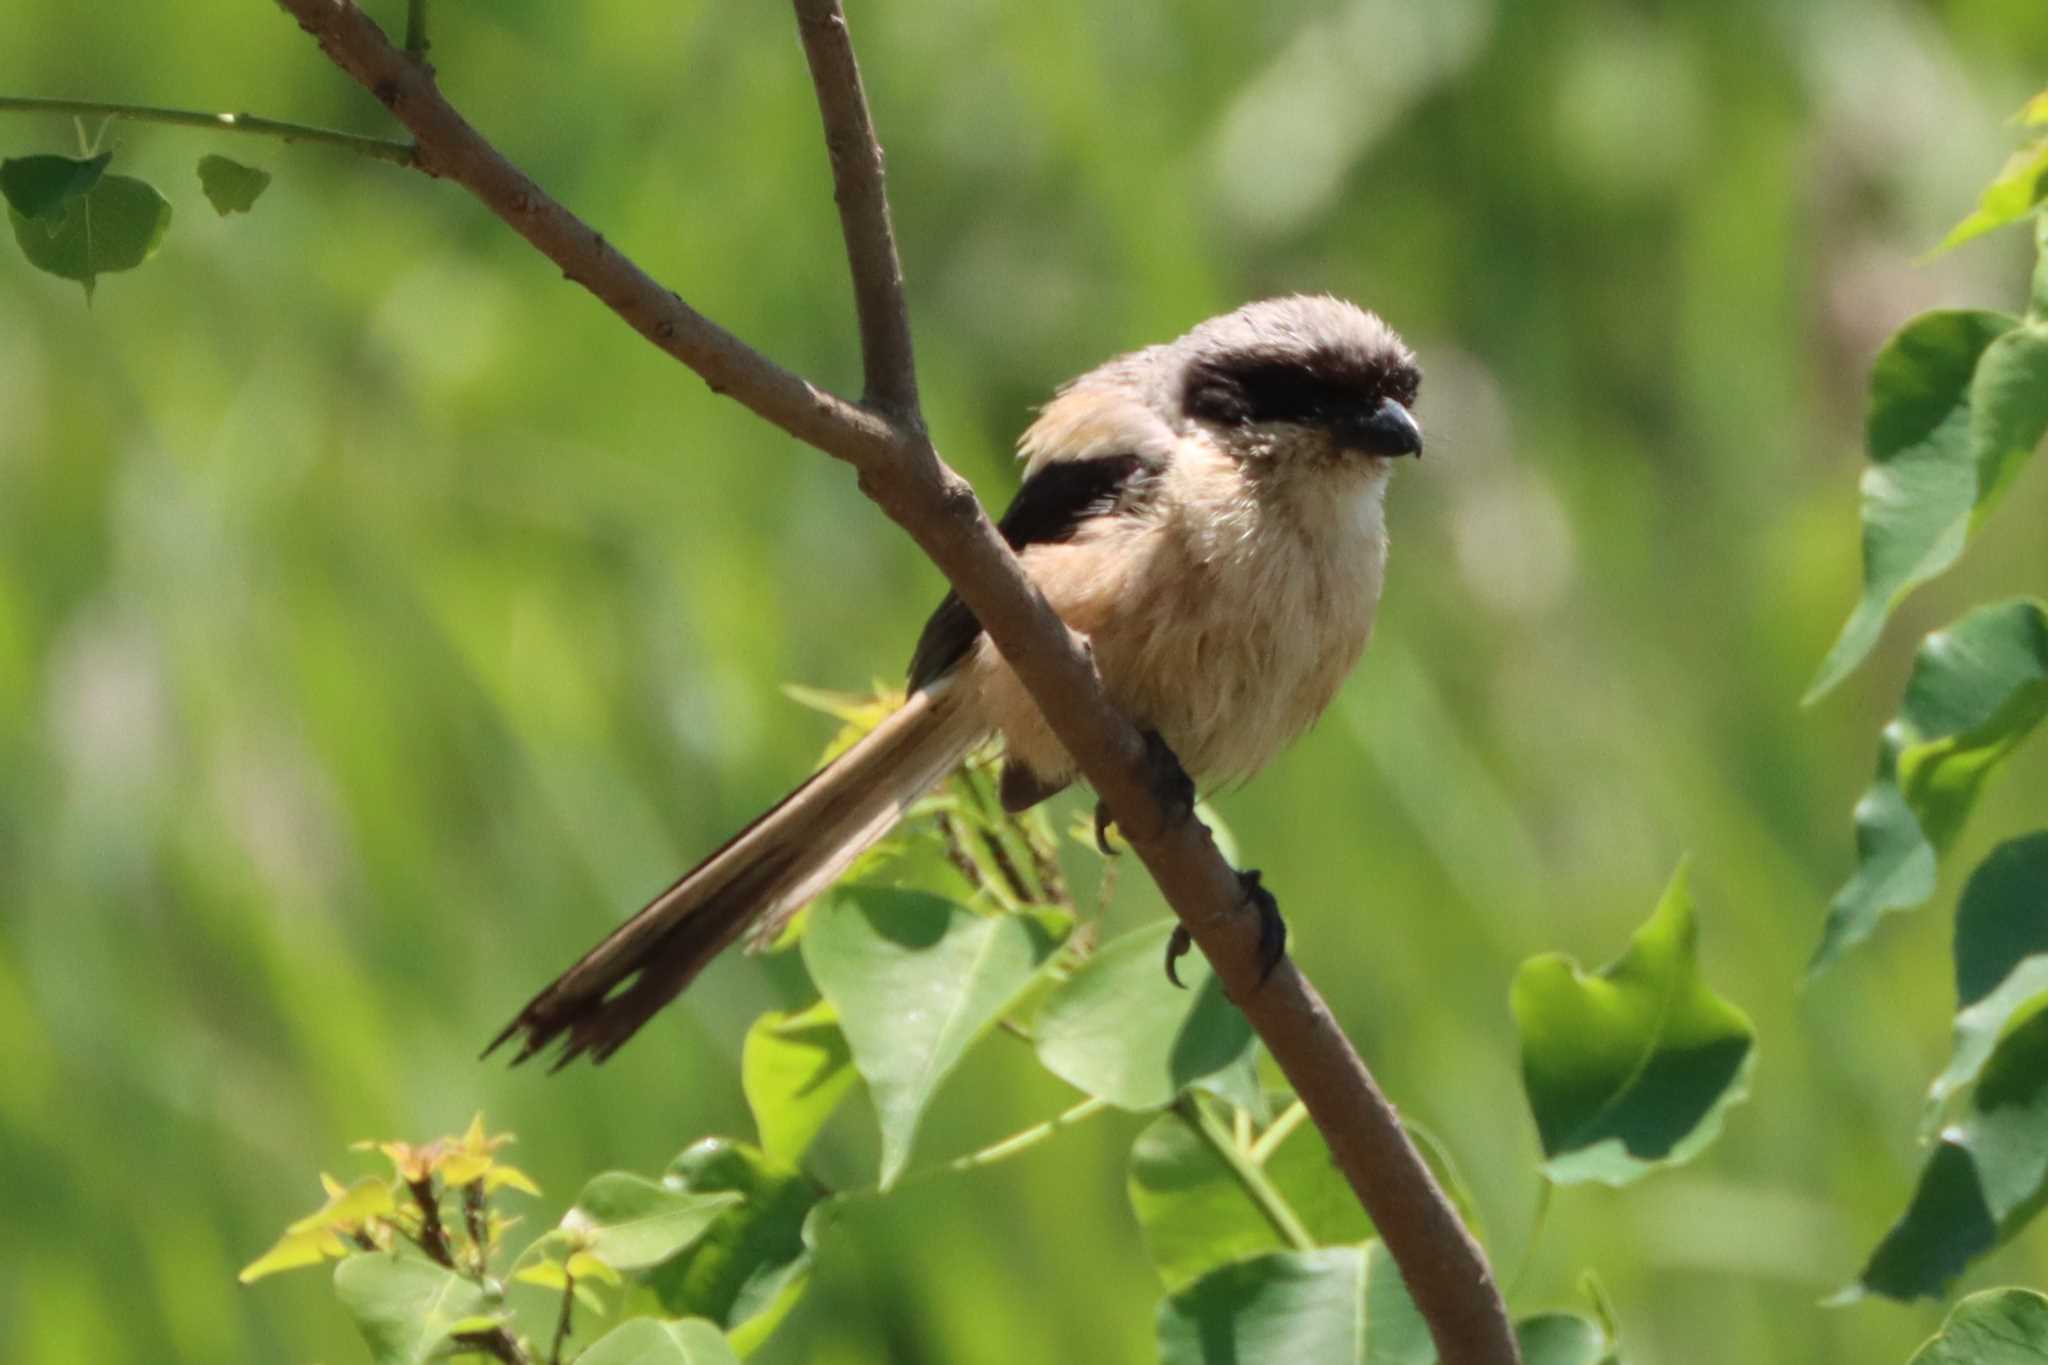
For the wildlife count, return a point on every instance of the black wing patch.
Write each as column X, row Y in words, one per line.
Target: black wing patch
column 1049, row 508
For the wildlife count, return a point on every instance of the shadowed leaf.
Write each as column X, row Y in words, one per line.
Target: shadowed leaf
column 795, row 1068
column 39, row 187
column 116, row 225
column 1632, row 1067
column 751, row 1266
column 1977, row 690
column 230, row 186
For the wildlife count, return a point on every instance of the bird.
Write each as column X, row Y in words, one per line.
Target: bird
column 1209, row 513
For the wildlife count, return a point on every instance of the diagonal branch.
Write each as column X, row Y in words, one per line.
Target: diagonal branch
column 885, row 441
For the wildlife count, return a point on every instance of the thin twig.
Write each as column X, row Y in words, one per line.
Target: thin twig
column 433, row 1232
column 378, row 148
column 416, row 27
column 901, row 471
column 857, row 184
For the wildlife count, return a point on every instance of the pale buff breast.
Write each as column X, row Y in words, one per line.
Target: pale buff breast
column 1225, row 619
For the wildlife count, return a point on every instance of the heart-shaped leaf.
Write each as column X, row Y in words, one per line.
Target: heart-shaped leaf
column 116, row 225
column 915, row 981
column 1633, row 1067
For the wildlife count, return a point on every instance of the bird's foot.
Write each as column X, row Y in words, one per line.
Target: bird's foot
column 1171, row 787
column 1272, row 930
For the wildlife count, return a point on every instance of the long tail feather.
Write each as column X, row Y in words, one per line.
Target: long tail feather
column 769, row 869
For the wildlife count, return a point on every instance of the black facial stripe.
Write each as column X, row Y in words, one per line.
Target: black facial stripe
column 1051, row 507
column 1317, row 390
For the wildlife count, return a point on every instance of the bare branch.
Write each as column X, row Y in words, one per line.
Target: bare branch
column 857, row 185
column 899, row 469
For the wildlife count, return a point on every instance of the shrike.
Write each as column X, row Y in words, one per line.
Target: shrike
column 1208, row 513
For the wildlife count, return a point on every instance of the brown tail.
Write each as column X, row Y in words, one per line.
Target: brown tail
column 771, row 868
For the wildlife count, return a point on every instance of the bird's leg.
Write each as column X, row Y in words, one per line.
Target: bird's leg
column 1170, row 783
column 1272, row 930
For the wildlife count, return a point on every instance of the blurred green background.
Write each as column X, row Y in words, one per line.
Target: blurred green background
column 380, row 619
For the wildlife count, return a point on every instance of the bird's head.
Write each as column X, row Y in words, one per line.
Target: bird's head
column 1308, row 378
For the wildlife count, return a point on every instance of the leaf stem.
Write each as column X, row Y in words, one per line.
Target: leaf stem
column 377, row 148
column 416, row 27
column 1027, row 1139
column 1249, row 1174
column 1278, row 1131
column 562, row 1322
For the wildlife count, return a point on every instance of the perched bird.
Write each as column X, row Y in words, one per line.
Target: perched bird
column 1208, row 513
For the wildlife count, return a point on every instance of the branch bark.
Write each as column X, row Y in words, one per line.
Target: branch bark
column 884, row 439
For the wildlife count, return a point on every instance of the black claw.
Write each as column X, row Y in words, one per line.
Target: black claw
column 1103, row 820
column 1177, row 948
column 1170, row 782
column 1272, row 928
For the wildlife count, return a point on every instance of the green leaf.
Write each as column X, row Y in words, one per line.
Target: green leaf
column 2009, row 198
column 1977, row 690
column 652, row 1341
column 116, row 225
column 1921, row 489
column 1995, row 1327
column 1119, row 1030
column 916, row 981
column 1336, row 1306
column 39, row 187
column 230, row 186
column 2002, row 918
column 1987, row 1178
column 1563, row 1339
column 632, row 1222
column 405, row 1307
column 1197, row 1210
column 1979, row 1030
column 795, row 1069
column 1631, row 1068
column 2008, row 411
column 749, row 1269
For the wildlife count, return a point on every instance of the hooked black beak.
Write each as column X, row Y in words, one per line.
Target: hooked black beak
column 1389, row 429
